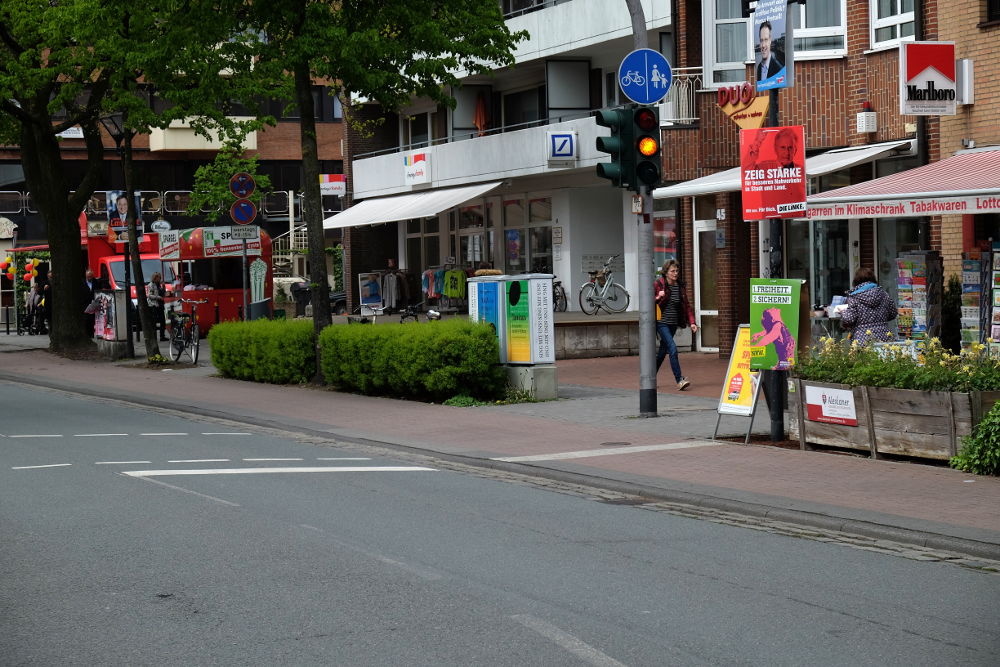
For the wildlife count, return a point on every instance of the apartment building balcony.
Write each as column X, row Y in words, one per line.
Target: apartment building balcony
column 180, row 136
column 680, row 107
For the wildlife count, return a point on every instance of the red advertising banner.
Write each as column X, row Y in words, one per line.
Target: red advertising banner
column 772, row 165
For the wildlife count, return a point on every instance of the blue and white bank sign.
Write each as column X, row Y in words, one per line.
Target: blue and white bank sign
column 645, row 76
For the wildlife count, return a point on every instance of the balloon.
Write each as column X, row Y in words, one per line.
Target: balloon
column 3, row 266
column 10, row 275
column 34, row 273
column 9, row 260
column 27, row 277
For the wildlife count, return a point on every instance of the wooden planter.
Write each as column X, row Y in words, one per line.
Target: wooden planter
column 924, row 424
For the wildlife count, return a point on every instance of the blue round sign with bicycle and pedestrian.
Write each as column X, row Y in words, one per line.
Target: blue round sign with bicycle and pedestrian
column 645, row 76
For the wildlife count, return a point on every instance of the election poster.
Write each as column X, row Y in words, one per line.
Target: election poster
column 774, row 323
column 773, row 45
column 739, row 391
column 773, row 172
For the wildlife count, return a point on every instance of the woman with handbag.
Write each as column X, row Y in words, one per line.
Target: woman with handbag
column 675, row 313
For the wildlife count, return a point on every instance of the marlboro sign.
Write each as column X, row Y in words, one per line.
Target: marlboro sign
column 927, row 84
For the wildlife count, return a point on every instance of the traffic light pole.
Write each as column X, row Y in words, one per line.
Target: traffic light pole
column 647, row 316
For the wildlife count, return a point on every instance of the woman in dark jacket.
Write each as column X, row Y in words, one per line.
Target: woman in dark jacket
column 869, row 310
column 675, row 312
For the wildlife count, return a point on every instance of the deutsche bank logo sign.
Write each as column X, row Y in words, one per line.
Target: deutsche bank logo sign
column 561, row 146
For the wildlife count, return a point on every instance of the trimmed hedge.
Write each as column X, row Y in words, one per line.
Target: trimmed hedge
column 423, row 360
column 278, row 351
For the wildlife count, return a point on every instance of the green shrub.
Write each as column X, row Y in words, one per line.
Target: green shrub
column 426, row 360
column 980, row 452
column 278, row 351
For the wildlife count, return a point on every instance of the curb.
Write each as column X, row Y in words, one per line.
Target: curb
column 830, row 522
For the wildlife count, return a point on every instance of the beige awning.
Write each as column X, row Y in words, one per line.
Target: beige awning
column 406, row 207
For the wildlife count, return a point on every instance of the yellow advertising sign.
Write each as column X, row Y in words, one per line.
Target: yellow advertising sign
column 739, row 392
column 744, row 106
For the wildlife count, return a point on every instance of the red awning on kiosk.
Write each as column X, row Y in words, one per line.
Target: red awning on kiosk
column 964, row 184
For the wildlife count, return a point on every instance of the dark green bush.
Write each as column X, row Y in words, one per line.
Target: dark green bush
column 980, row 452
column 278, row 351
column 420, row 360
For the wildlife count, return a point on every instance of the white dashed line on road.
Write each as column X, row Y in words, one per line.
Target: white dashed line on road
column 272, row 459
column 611, row 451
column 229, row 433
column 258, row 471
column 198, row 461
column 118, row 463
column 99, row 435
column 51, row 465
column 37, row 435
column 345, row 458
column 163, row 434
column 568, row 642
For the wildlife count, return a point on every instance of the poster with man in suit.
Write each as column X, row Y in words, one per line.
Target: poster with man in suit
column 773, row 45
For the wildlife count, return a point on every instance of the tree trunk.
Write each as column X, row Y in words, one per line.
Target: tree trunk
column 43, row 170
column 312, row 208
column 149, row 335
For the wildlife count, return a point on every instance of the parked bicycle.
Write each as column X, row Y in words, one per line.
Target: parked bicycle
column 184, row 334
column 413, row 312
column 603, row 292
column 559, row 301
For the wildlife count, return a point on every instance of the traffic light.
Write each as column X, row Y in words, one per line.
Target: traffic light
column 618, row 145
column 646, row 142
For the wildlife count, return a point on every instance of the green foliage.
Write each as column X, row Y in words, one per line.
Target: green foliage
column 951, row 315
column 464, row 401
column 337, row 258
column 426, row 360
column 211, row 184
column 934, row 369
column 278, row 351
column 980, row 452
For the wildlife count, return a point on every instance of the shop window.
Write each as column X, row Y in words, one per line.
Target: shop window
column 471, row 217
column 540, row 249
column 514, row 251
column 664, row 231
column 513, row 212
column 891, row 22
column 895, row 236
column 993, row 10
column 540, row 209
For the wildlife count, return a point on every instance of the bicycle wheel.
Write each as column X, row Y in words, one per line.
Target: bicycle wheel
column 193, row 344
column 559, row 299
column 587, row 299
column 616, row 300
column 176, row 344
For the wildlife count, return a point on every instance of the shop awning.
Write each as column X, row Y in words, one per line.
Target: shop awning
column 965, row 183
column 817, row 165
column 405, row 207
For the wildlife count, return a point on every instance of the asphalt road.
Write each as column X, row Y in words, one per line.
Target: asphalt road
column 284, row 549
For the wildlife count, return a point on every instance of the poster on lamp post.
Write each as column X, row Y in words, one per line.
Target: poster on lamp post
column 774, row 59
column 774, row 323
column 773, row 172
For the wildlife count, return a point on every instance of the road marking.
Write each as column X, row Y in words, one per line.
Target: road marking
column 229, row 433
column 257, row 471
column 38, row 435
column 272, row 459
column 567, row 641
column 587, row 453
column 98, row 435
column 163, row 434
column 118, row 463
column 197, row 461
column 420, row 571
column 183, row 490
column 345, row 458
column 51, row 465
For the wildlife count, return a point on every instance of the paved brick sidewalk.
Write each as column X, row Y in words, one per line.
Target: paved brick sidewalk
column 591, row 433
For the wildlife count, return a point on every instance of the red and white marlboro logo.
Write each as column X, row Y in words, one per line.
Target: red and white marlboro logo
column 927, row 85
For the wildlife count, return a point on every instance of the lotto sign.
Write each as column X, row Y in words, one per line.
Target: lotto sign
column 830, row 406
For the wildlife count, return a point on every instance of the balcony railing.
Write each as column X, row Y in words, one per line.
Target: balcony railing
column 680, row 106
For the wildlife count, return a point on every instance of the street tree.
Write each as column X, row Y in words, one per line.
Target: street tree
column 387, row 52
column 76, row 62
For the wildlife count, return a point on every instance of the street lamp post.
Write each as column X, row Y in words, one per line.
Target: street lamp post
column 116, row 128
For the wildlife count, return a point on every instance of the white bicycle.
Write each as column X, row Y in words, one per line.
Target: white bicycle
column 603, row 292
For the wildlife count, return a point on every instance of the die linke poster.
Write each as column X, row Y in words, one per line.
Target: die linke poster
column 772, row 166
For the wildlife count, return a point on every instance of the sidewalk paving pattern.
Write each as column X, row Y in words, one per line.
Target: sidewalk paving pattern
column 592, row 435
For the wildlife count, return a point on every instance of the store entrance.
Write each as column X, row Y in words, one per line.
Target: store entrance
column 706, row 299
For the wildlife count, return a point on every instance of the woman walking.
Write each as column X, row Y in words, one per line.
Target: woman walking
column 869, row 310
column 675, row 313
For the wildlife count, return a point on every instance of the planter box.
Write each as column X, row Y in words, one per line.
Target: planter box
column 924, row 424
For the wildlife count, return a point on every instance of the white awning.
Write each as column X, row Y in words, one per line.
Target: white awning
column 817, row 165
column 405, row 207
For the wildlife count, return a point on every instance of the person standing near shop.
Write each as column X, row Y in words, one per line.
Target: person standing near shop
column 675, row 313
column 869, row 310
column 155, row 293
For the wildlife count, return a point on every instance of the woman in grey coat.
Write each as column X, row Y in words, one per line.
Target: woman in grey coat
column 869, row 310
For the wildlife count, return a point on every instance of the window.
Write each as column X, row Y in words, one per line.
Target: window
column 892, row 22
column 727, row 47
column 993, row 10
column 523, row 107
column 818, row 27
